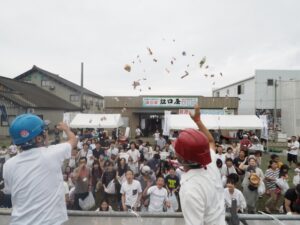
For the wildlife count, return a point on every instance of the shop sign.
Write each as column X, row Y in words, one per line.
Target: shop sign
column 171, row 102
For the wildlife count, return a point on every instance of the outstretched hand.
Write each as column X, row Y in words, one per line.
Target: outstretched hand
column 196, row 116
column 62, row 126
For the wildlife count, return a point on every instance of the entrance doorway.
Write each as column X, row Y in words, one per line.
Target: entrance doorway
column 151, row 123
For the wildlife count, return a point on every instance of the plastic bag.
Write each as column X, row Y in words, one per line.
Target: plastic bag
column 282, row 184
column 173, row 202
column 111, row 187
column 88, row 202
column 261, row 188
column 296, row 180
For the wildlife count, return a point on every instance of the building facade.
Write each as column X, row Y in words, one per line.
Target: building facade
column 147, row 112
column 65, row 89
column 17, row 97
column 266, row 91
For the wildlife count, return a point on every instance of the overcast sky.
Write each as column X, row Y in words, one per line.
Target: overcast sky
column 236, row 37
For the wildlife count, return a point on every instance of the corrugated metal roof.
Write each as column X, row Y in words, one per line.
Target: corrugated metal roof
column 30, row 95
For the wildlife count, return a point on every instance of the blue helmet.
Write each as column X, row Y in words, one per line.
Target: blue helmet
column 26, row 127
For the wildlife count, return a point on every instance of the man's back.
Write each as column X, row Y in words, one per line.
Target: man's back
column 202, row 196
column 34, row 179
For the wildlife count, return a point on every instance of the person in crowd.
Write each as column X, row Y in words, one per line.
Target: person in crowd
column 146, row 179
column 229, row 153
column 134, row 155
column 158, row 196
column 161, row 142
column 154, row 163
column 220, row 155
column 293, row 149
column 231, row 192
column 113, row 150
column 172, row 181
column 96, row 175
column 271, row 175
column 296, row 178
column 98, row 150
column 131, row 193
column 227, row 168
column 121, row 170
column 252, row 179
column 245, row 143
column 236, row 149
column 138, row 133
column 83, row 182
column 109, row 182
column 291, row 197
column 237, row 162
column 66, row 190
column 156, row 136
column 258, row 157
column 277, row 159
column 104, row 207
column 87, row 153
column 256, row 146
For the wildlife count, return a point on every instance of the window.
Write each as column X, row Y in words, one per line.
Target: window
column 46, row 83
column 10, row 118
column 217, row 94
column 227, row 91
column 241, row 89
column 270, row 82
column 74, row 98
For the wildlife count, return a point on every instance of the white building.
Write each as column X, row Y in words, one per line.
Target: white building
column 257, row 96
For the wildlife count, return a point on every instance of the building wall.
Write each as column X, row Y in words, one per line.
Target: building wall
column 290, row 107
column 12, row 111
column 265, row 95
column 246, row 104
column 91, row 104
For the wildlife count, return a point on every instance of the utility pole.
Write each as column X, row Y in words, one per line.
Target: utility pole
column 81, row 89
column 275, row 111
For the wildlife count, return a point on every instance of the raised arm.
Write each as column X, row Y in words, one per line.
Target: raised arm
column 71, row 138
column 196, row 117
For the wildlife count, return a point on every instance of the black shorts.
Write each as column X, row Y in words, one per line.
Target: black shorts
column 292, row 158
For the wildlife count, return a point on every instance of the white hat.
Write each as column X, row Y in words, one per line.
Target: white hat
column 146, row 170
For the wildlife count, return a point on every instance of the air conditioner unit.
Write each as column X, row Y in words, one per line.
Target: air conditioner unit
column 52, row 87
column 30, row 110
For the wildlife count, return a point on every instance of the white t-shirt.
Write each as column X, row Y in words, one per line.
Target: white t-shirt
column 201, row 195
column 112, row 151
column 157, row 198
column 135, row 155
column 66, row 187
column 238, row 195
column 156, row 136
column 225, row 171
column 124, row 155
column 131, row 192
column 294, row 148
column 35, row 181
column 138, row 132
column 222, row 157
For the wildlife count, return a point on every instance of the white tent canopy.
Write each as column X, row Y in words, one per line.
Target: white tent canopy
column 215, row 122
column 96, row 121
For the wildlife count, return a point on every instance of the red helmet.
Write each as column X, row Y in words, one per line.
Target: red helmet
column 193, row 146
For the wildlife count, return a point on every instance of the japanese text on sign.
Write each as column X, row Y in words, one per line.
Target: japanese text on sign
column 169, row 102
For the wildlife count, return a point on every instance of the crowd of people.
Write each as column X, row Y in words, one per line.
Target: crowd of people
column 140, row 176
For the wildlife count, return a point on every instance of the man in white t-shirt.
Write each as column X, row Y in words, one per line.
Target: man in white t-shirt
column 134, row 154
column 201, row 192
column 138, row 132
column 158, row 196
column 33, row 177
column 131, row 191
column 293, row 149
column 112, row 149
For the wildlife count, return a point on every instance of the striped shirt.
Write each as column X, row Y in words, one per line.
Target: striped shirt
column 273, row 174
